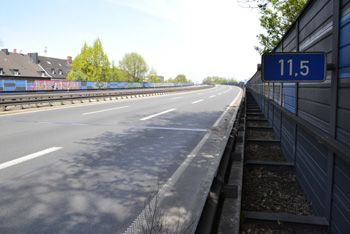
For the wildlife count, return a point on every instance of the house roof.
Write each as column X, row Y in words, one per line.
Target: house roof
column 9, row 62
column 56, row 68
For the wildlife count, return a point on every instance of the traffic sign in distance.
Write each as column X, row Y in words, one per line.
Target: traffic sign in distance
column 294, row 67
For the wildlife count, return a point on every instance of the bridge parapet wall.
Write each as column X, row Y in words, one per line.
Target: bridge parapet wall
column 51, row 85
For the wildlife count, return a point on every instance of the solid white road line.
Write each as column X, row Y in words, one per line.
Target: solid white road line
column 232, row 103
column 116, row 108
column 28, row 157
column 155, row 115
column 175, row 129
column 197, row 101
column 136, row 225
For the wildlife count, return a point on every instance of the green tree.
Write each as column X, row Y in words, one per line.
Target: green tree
column 101, row 65
column 135, row 65
column 276, row 18
column 207, row 80
column 170, row 80
column 153, row 76
column 82, row 63
column 118, row 74
column 92, row 62
column 181, row 79
column 76, row 75
column 214, row 80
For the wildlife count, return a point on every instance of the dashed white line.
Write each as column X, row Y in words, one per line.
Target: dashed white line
column 155, row 115
column 197, row 101
column 212, row 96
column 232, row 103
column 28, row 157
column 116, row 108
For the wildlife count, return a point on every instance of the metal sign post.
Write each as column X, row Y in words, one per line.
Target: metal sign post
column 294, row 67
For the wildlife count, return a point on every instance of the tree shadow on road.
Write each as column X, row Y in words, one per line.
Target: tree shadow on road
column 104, row 183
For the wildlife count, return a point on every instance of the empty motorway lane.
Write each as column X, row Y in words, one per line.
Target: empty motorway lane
column 94, row 168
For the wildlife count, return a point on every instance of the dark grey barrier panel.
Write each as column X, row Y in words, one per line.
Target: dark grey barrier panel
column 312, row 120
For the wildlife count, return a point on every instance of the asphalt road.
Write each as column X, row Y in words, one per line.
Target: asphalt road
column 94, row 168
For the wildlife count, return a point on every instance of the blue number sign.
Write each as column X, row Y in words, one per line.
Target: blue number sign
column 294, row 67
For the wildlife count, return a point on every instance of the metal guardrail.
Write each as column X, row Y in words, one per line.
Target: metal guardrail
column 225, row 192
column 38, row 98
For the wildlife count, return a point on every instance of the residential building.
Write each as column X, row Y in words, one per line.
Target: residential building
column 55, row 68
column 32, row 67
column 20, row 67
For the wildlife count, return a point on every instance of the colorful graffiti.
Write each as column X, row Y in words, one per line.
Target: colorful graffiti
column 100, row 85
column 53, row 85
column 135, row 85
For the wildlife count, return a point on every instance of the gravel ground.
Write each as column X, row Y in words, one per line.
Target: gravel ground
column 271, row 191
column 256, row 229
column 260, row 134
column 255, row 151
column 257, row 124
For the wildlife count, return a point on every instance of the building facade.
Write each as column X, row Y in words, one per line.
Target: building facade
column 32, row 67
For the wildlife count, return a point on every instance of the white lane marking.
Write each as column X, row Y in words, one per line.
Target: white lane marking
column 176, row 129
column 176, row 98
column 136, row 225
column 212, row 96
column 197, row 101
column 219, row 93
column 28, row 157
column 155, row 115
column 128, row 126
column 116, row 108
column 232, row 103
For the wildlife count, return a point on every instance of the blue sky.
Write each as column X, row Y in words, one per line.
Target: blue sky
column 197, row 38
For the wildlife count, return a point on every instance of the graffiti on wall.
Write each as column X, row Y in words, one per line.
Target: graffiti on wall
column 48, row 85
column 100, row 85
column 53, row 85
column 135, row 85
